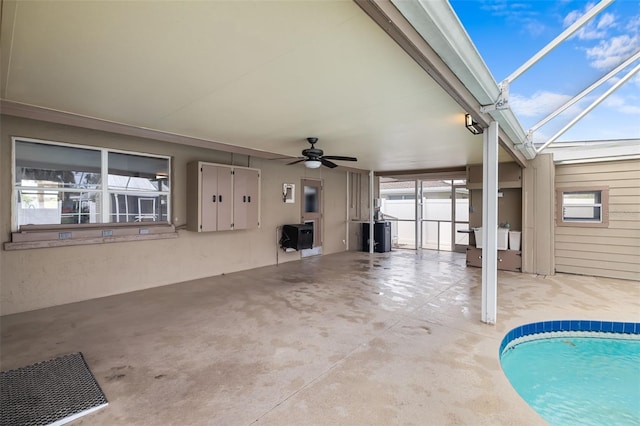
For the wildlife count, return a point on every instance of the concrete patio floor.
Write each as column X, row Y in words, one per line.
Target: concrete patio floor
column 351, row 339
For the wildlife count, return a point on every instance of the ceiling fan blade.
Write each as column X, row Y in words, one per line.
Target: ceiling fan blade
column 339, row 157
column 296, row 162
column 328, row 163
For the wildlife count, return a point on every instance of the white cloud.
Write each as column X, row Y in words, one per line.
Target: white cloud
column 596, row 28
column 609, row 53
column 607, row 20
column 540, row 103
column 614, row 101
column 574, row 15
column 612, row 46
column 622, row 105
column 630, row 109
column 633, row 24
column 517, row 13
column 508, row 8
column 534, row 28
column 590, row 33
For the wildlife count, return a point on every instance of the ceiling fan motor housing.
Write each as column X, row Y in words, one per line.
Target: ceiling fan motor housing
column 314, row 157
column 312, row 152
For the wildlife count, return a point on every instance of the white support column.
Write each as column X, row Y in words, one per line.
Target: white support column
column 348, row 211
column 418, row 214
column 371, row 206
column 490, row 224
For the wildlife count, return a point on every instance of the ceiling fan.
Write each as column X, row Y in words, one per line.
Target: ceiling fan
column 314, row 157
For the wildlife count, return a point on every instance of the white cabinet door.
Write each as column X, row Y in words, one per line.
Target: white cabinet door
column 214, row 198
column 245, row 198
column 225, row 202
column 209, row 198
column 222, row 198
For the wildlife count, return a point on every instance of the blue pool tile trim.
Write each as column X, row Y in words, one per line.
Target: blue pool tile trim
column 570, row 325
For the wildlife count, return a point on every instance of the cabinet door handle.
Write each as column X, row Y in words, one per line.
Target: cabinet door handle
column 244, row 198
column 249, row 198
column 220, row 198
column 213, row 200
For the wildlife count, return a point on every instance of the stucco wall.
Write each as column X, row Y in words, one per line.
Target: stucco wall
column 611, row 251
column 38, row 278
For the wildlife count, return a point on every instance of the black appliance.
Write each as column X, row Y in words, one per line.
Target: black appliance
column 298, row 236
column 381, row 237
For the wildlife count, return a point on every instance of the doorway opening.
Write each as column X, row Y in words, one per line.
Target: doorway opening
column 311, row 213
column 428, row 214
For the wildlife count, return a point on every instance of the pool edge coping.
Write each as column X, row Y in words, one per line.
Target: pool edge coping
column 565, row 328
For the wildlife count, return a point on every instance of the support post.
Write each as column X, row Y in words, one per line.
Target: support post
column 418, row 214
column 371, row 207
column 490, row 224
column 348, row 212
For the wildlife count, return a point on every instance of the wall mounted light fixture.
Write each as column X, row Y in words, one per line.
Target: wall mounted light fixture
column 472, row 125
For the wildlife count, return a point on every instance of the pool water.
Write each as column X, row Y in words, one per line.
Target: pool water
column 578, row 380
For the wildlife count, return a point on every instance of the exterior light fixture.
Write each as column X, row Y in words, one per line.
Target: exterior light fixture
column 312, row 164
column 472, row 125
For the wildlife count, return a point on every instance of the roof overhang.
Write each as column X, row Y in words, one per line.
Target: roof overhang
column 594, row 151
column 455, row 62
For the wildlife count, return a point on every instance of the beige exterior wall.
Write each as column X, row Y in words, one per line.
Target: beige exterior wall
column 611, row 251
column 537, row 216
column 38, row 278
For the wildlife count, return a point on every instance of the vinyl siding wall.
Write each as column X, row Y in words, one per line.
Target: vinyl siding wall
column 612, row 251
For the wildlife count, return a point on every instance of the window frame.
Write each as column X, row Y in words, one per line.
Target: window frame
column 105, row 192
column 604, row 207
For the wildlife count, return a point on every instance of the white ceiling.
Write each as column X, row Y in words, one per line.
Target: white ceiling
column 261, row 75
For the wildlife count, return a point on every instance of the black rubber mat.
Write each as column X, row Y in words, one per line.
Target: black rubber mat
column 50, row 392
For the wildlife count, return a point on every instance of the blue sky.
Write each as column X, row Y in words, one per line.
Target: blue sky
column 509, row 32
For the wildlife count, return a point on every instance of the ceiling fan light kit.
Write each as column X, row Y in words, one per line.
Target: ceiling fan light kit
column 312, row 164
column 314, row 157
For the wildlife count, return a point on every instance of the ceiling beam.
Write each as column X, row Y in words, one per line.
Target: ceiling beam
column 443, row 173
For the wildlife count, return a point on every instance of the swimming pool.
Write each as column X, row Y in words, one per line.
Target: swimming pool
column 576, row 372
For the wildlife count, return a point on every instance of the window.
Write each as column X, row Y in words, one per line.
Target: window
column 59, row 184
column 583, row 207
